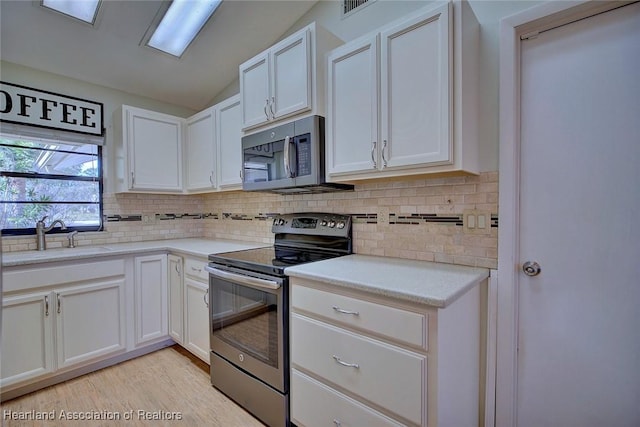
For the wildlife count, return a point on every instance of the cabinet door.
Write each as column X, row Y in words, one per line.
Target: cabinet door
column 196, row 308
column 200, row 148
column 27, row 337
column 175, row 298
column 229, row 134
column 150, row 285
column 254, row 90
column 90, row 321
column 416, row 86
column 352, row 125
column 155, row 151
column 290, row 64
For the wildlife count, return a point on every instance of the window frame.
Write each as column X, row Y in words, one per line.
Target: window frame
column 54, row 177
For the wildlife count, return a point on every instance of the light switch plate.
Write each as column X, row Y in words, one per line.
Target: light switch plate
column 476, row 221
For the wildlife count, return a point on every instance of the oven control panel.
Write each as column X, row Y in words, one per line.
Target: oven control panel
column 313, row 224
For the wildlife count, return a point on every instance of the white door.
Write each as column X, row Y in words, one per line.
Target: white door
column 578, row 337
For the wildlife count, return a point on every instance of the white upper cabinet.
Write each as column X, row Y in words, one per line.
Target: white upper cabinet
column 228, row 136
column 254, row 90
column 352, row 128
column 287, row 79
column 414, row 95
column 396, row 104
column 290, row 64
column 213, row 150
column 200, row 151
column 148, row 151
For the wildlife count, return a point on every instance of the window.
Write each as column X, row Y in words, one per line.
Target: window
column 49, row 177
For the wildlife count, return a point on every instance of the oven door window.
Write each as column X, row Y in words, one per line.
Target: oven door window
column 246, row 319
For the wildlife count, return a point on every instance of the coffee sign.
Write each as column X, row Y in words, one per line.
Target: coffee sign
column 33, row 107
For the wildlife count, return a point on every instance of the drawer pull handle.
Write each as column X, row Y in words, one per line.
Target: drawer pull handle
column 348, row 365
column 343, row 311
column 196, row 269
column 337, row 423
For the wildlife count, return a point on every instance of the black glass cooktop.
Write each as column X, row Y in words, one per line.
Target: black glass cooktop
column 270, row 260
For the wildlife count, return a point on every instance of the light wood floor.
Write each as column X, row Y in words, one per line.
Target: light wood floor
column 166, row 381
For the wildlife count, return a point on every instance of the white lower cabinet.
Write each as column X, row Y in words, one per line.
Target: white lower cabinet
column 64, row 326
column 315, row 403
column 176, row 283
column 150, row 297
column 360, row 359
column 90, row 321
column 196, row 318
column 189, row 304
column 27, row 350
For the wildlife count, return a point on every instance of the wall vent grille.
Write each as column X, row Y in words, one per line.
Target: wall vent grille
column 352, row 6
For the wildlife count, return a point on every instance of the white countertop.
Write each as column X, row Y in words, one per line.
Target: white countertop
column 195, row 247
column 422, row 282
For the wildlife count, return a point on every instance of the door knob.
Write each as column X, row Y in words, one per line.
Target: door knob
column 531, row 268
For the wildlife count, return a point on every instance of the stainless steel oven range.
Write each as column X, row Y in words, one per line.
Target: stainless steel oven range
column 249, row 310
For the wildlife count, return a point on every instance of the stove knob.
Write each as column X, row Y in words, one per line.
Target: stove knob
column 275, row 221
column 323, row 223
column 332, row 224
column 341, row 225
column 281, row 222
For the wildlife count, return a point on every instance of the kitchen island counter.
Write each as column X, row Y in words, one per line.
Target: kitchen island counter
column 430, row 283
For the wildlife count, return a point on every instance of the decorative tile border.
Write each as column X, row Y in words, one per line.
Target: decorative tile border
column 417, row 219
column 122, row 218
column 358, row 218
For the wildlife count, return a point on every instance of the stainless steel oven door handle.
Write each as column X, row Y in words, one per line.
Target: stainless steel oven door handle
column 243, row 280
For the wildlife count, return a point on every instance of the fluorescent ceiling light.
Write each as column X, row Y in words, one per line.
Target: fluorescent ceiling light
column 181, row 24
column 84, row 10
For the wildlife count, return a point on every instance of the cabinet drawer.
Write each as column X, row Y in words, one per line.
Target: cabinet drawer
column 388, row 376
column 195, row 268
column 315, row 404
column 399, row 325
column 47, row 275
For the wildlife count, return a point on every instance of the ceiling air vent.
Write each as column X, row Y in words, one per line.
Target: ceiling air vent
column 352, row 6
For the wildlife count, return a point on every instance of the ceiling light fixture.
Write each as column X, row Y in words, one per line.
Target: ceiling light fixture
column 181, row 24
column 84, row 10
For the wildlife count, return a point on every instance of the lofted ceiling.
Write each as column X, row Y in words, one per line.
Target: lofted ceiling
column 109, row 53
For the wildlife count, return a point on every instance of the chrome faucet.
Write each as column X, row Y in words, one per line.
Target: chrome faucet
column 41, row 242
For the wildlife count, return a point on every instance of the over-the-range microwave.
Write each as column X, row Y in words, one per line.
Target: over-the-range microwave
column 287, row 159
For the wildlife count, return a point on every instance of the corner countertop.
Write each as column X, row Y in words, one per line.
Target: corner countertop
column 194, row 247
column 430, row 283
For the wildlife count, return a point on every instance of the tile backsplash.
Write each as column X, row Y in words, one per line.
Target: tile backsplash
column 415, row 218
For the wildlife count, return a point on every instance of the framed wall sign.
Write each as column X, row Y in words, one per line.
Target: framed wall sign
column 34, row 107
